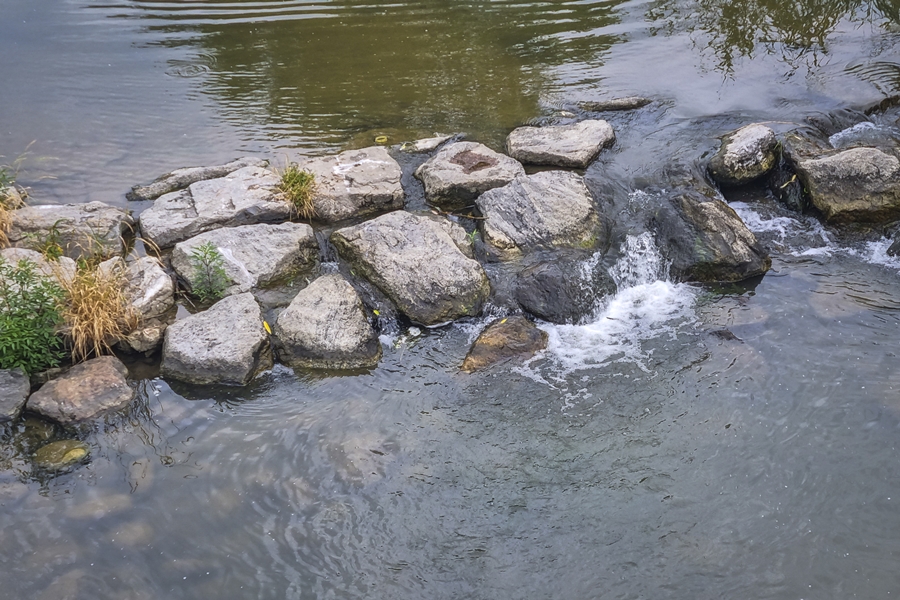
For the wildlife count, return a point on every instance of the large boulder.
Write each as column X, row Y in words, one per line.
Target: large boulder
column 243, row 197
column 705, row 240
column 226, row 344
column 181, row 178
column 551, row 209
column 745, row 155
column 460, row 172
column 85, row 391
column 151, row 293
column 14, row 389
column 512, row 337
column 562, row 290
column 325, row 327
column 79, row 229
column 574, row 145
column 355, row 183
column 255, row 256
column 417, row 262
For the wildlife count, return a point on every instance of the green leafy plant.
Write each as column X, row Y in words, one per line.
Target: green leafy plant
column 297, row 187
column 29, row 318
column 209, row 281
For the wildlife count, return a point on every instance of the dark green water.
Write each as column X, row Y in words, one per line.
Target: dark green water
column 641, row 456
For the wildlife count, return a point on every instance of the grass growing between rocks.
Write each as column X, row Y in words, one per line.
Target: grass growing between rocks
column 297, row 187
column 10, row 200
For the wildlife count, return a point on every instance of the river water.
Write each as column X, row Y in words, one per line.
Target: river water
column 684, row 442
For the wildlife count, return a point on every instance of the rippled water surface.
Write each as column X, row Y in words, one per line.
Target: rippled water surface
column 685, row 442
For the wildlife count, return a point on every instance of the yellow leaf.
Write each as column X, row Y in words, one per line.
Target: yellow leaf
column 503, row 321
column 376, row 312
column 268, row 329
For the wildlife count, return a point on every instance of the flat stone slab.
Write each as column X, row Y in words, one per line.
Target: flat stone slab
column 91, row 228
column 14, row 390
column 226, row 344
column 85, row 391
column 745, row 155
column 417, row 262
column 326, row 327
column 243, row 197
column 255, row 256
column 512, row 337
column 574, row 146
column 181, row 178
column 461, row 171
column 551, row 209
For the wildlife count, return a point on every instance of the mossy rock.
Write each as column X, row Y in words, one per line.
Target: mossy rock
column 60, row 455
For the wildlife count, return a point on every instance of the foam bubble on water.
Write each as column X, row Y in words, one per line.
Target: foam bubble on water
column 876, row 253
column 796, row 233
column 755, row 222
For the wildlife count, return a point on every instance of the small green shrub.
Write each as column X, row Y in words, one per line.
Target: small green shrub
column 209, row 281
column 29, row 318
column 297, row 187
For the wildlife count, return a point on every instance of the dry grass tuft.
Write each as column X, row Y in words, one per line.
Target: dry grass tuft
column 297, row 187
column 10, row 200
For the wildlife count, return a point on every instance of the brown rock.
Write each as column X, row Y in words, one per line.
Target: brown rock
column 85, row 391
column 507, row 338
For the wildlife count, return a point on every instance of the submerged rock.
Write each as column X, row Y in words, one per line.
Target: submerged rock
column 78, row 229
column 551, row 209
column 461, row 171
column 255, row 256
column 705, row 240
column 416, row 262
column 243, row 197
column 426, row 145
column 181, row 178
column 85, row 391
column 325, row 327
column 56, row 456
column 745, row 155
column 355, row 183
column 151, row 292
column 225, row 344
column 14, row 390
column 615, row 104
column 575, row 145
column 561, row 290
column 513, row 337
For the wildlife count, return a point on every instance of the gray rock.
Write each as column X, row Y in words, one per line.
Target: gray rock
column 745, row 155
column 56, row 456
column 859, row 184
column 226, row 344
column 512, row 337
column 151, row 292
column 243, row 197
column 355, row 183
column 255, row 256
column 92, row 228
column 547, row 209
column 705, row 240
column 425, row 145
column 62, row 269
column 561, row 290
column 615, row 104
column 574, row 145
column 417, row 264
column 181, row 178
column 85, row 391
column 14, row 390
column 325, row 327
column 460, row 172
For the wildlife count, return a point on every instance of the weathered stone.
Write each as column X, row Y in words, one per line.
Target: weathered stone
column 547, row 209
column 459, row 172
column 859, row 184
column 56, row 456
column 574, row 145
column 562, row 291
column 745, row 155
column 62, row 269
column 615, row 104
column 151, row 292
column 355, row 183
column 79, row 229
column 705, row 240
column 325, row 327
column 425, row 145
column 243, row 197
column 513, row 337
column 85, row 391
column 181, row 178
column 417, row 264
column 255, row 256
column 226, row 344
column 14, row 389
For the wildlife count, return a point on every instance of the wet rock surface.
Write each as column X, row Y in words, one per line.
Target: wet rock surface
column 355, row 183
column 504, row 339
column 562, row 290
column 182, row 178
column 225, row 344
column 79, row 229
column 60, row 455
column 243, row 197
column 416, row 262
column 549, row 209
column 426, row 144
column 575, row 145
column 461, row 171
column 326, row 327
column 615, row 104
column 85, row 391
column 14, row 390
column 745, row 155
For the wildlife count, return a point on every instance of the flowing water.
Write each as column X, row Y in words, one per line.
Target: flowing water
column 684, row 442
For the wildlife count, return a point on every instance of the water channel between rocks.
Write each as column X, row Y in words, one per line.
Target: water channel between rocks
column 686, row 442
